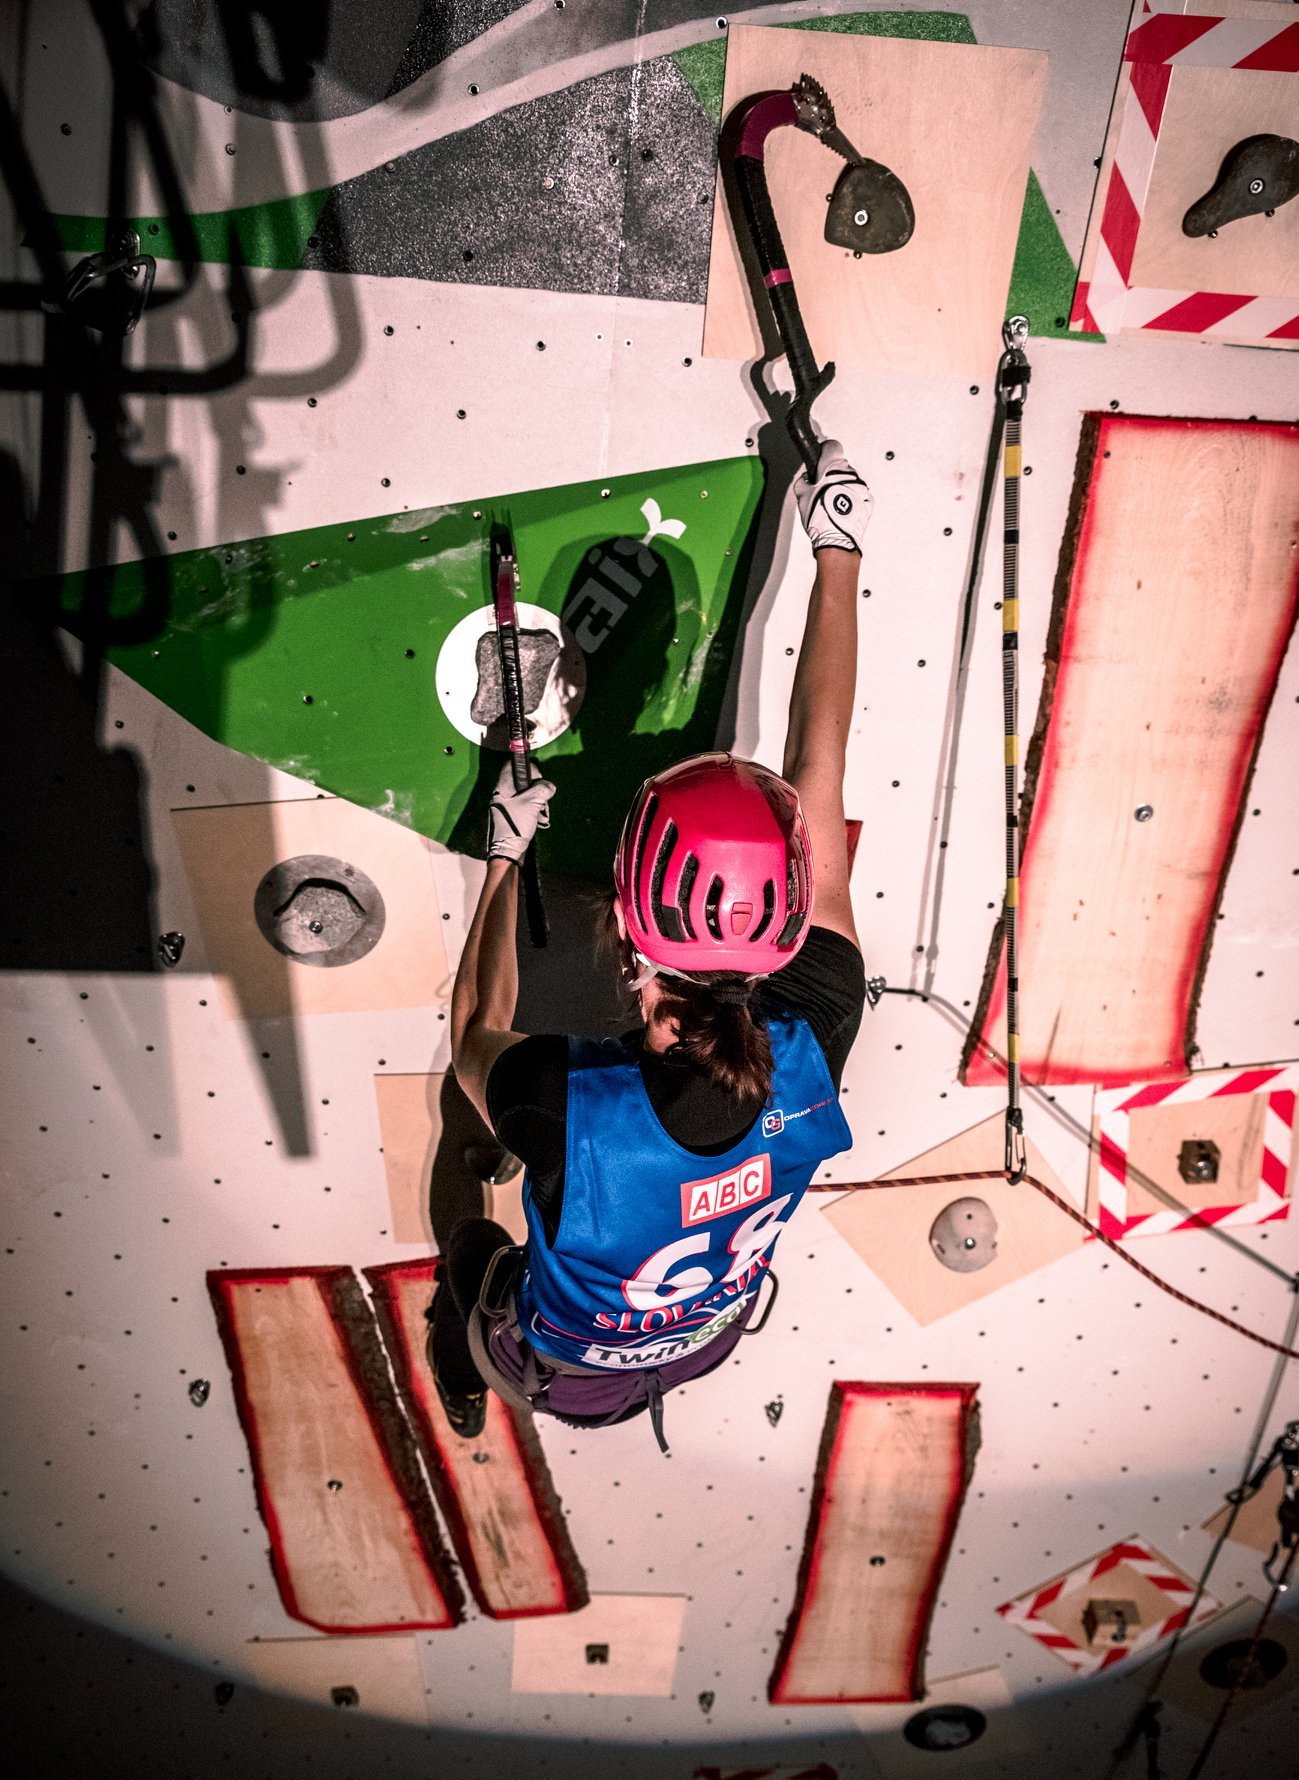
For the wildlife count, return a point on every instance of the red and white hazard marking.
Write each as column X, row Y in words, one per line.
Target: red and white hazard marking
column 1163, row 37
column 1114, row 1107
column 1091, row 1578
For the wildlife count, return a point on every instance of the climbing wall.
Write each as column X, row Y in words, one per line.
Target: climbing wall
column 424, row 269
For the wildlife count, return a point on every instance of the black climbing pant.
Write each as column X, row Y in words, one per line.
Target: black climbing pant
column 468, row 1255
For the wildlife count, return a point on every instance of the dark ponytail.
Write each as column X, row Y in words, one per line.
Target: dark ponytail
column 717, row 1031
column 719, row 1035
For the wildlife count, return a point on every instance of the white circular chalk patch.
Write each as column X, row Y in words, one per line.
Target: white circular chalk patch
column 457, row 675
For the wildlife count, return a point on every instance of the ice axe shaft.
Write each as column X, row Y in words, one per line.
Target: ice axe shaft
column 870, row 212
column 763, row 115
column 504, row 583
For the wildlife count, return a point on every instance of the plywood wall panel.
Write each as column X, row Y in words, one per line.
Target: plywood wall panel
column 618, row 1644
column 1174, row 606
column 888, row 1227
column 495, row 1492
column 1208, row 111
column 892, row 1473
column 228, row 849
column 955, row 122
column 354, row 1540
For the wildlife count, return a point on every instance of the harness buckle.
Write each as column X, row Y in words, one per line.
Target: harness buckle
column 494, row 1298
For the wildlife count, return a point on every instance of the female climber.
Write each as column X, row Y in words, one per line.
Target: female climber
column 663, row 1165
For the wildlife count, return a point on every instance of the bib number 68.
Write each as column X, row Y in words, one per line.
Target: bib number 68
column 654, row 1285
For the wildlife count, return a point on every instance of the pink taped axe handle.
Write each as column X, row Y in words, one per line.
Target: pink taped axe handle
column 768, row 113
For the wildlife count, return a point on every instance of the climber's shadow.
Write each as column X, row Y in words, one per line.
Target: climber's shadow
column 466, row 1157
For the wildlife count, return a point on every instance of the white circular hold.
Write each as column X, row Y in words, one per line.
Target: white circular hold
column 861, row 218
column 457, row 675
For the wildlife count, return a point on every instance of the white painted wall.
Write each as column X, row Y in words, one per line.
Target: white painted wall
column 140, row 1147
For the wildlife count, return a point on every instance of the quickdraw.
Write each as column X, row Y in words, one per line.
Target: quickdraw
column 870, row 212
column 1013, row 374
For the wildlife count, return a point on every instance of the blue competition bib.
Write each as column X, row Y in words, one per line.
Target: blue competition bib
column 659, row 1249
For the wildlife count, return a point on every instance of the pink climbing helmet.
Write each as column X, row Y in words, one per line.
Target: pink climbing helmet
column 714, row 868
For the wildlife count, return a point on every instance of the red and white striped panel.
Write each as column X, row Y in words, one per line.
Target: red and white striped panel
column 1112, row 1111
column 1135, row 1555
column 1164, row 37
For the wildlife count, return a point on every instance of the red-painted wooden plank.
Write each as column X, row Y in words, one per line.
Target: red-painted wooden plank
column 495, row 1492
column 355, row 1545
column 1175, row 600
column 893, row 1467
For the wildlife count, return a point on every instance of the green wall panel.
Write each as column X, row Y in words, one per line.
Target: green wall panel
column 351, row 617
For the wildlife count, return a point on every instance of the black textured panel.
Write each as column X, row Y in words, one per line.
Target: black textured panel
column 626, row 214
column 672, row 164
column 307, row 63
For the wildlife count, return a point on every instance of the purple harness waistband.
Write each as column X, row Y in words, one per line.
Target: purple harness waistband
column 587, row 1398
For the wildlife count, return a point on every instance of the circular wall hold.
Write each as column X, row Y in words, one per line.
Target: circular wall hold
column 964, row 1235
column 1232, row 1665
column 945, row 1727
column 457, row 675
column 320, row 911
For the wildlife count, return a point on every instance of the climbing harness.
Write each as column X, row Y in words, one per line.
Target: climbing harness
column 932, row 1180
column 1013, row 374
column 870, row 211
column 584, row 1396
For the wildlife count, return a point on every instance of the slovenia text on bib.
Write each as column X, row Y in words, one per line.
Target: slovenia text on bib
column 660, row 1249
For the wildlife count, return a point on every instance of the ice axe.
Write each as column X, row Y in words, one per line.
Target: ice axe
column 870, row 212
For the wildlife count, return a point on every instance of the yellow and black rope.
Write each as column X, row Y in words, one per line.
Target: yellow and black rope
column 1012, row 383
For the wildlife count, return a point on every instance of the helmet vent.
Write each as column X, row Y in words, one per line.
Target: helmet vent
column 666, row 918
column 638, row 863
column 711, row 903
column 768, row 910
column 741, row 915
column 689, row 872
column 795, row 918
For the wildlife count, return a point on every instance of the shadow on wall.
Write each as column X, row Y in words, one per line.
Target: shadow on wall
column 635, row 611
column 82, row 1699
column 779, row 457
column 81, row 879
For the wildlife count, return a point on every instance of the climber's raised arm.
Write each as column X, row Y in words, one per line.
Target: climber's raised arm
column 487, row 981
column 835, row 510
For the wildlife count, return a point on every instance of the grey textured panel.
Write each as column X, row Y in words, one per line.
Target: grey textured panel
column 444, row 27
column 307, row 63
column 667, row 223
column 628, row 209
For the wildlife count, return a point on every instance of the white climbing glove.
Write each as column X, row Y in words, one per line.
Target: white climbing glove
column 515, row 816
column 836, row 508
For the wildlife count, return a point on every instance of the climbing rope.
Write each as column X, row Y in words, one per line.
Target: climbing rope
column 933, row 1180
column 1013, row 374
